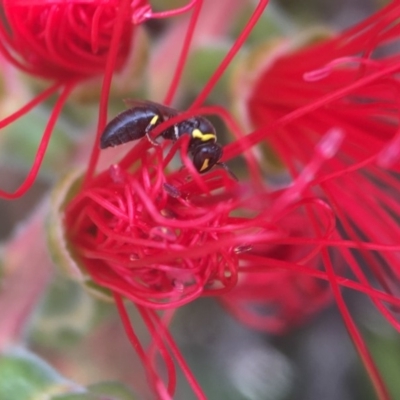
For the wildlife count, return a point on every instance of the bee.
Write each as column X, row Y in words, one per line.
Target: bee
column 143, row 116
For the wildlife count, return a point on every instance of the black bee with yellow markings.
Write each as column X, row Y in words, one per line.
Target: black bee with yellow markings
column 143, row 116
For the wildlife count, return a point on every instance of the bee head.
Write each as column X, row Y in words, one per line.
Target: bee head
column 205, row 156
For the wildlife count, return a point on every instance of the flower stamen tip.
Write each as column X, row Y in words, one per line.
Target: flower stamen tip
column 116, row 173
column 243, row 248
column 330, row 143
column 390, row 154
column 163, row 233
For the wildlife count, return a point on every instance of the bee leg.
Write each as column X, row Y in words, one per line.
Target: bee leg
column 153, row 123
column 152, row 141
column 172, row 190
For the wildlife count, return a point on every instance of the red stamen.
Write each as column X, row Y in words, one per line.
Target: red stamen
column 31, row 177
column 184, row 53
column 29, row 106
column 177, row 11
column 231, row 54
column 110, row 65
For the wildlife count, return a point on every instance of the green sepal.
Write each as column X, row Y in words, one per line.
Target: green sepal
column 61, row 250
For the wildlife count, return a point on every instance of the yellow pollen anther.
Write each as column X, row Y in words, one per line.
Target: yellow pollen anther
column 204, row 137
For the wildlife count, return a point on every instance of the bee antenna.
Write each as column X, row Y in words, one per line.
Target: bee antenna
column 228, row 170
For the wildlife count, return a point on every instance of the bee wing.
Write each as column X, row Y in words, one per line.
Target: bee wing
column 166, row 111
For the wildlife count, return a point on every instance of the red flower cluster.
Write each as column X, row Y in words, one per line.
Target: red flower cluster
column 348, row 83
column 154, row 236
column 47, row 38
column 283, row 292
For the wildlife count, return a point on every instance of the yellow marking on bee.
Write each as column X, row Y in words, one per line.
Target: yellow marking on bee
column 205, row 165
column 204, row 137
column 154, row 120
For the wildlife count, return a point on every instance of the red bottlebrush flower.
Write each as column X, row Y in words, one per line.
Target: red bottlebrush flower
column 330, row 85
column 63, row 40
column 348, row 82
column 277, row 299
column 136, row 227
column 71, row 39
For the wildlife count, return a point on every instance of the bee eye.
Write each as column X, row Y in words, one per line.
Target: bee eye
column 206, row 156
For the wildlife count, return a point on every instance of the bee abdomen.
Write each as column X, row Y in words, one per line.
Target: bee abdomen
column 128, row 126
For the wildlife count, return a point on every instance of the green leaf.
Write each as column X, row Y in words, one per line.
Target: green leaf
column 101, row 391
column 24, row 376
